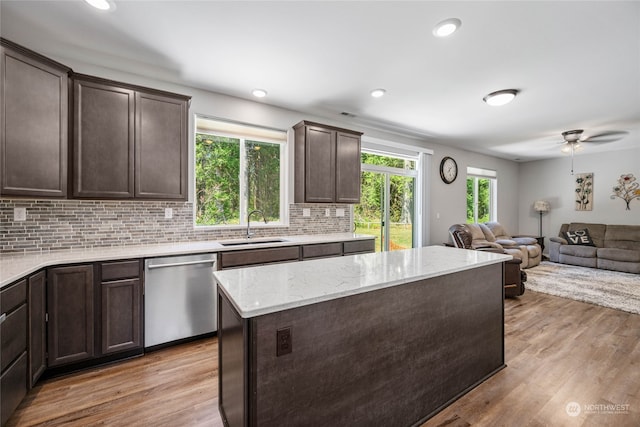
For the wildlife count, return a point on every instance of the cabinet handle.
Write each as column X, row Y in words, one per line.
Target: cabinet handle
column 3, row 317
column 178, row 264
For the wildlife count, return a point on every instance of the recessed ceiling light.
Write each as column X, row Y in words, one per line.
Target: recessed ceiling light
column 259, row 93
column 100, row 4
column 501, row 97
column 447, row 27
column 377, row 93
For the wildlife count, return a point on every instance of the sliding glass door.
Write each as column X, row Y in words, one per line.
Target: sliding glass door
column 387, row 201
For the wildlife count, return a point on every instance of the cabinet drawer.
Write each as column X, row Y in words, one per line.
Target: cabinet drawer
column 321, row 250
column 258, row 256
column 13, row 296
column 14, row 336
column 120, row 270
column 359, row 246
column 13, row 387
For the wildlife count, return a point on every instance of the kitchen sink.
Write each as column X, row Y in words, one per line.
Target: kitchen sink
column 251, row 242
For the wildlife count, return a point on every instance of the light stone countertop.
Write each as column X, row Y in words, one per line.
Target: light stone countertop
column 268, row 289
column 16, row 266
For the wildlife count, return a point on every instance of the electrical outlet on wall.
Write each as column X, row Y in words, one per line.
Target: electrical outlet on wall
column 339, row 212
column 284, row 344
column 327, row 212
column 306, row 212
column 168, row 213
column 19, row 214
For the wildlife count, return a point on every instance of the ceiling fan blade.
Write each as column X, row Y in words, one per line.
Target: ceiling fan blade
column 605, row 137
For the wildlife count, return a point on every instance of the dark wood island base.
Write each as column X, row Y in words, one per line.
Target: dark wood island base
column 391, row 357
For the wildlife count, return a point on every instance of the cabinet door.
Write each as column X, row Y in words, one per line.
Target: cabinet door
column 33, row 125
column 37, row 326
column 320, row 152
column 103, row 140
column 13, row 387
column 347, row 168
column 161, row 147
column 121, row 315
column 71, row 315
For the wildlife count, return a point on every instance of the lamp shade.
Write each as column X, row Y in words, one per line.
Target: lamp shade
column 541, row 206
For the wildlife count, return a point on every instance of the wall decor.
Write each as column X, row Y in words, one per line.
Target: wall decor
column 627, row 189
column 584, row 191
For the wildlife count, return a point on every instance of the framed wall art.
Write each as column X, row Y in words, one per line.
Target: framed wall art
column 584, row 191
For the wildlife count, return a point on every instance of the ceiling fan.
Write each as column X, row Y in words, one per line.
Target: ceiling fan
column 573, row 138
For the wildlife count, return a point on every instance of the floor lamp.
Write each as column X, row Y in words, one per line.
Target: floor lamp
column 541, row 206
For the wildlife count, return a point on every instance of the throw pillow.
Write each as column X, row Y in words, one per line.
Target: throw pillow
column 579, row 237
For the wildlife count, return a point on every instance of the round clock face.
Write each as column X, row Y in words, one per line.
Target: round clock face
column 448, row 170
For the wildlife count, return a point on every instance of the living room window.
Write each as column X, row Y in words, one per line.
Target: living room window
column 238, row 168
column 481, row 195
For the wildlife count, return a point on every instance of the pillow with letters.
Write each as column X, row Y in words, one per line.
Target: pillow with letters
column 578, row 237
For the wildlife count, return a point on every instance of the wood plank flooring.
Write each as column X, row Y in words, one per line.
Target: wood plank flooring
column 558, row 351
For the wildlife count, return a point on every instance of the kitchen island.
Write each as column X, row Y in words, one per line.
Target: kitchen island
column 375, row 339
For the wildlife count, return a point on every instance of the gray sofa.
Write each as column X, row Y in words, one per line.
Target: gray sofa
column 617, row 247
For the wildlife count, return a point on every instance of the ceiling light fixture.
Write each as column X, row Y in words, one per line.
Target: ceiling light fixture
column 501, row 97
column 377, row 93
column 259, row 93
column 100, row 4
column 447, row 27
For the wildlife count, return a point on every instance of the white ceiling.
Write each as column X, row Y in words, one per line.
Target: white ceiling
column 576, row 63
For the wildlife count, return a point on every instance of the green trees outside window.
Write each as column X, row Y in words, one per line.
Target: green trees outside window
column 234, row 176
column 370, row 214
column 478, row 199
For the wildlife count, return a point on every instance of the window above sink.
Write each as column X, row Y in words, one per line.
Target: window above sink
column 238, row 168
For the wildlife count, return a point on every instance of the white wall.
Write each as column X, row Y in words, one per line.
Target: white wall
column 551, row 180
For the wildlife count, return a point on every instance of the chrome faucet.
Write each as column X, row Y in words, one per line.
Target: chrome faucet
column 249, row 233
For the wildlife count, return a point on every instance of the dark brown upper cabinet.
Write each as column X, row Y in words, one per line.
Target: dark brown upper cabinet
column 34, row 123
column 103, row 139
column 129, row 141
column 327, row 164
column 161, row 146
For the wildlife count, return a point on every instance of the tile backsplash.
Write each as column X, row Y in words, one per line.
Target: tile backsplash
column 67, row 224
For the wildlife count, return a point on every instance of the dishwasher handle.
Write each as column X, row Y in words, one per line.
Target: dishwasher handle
column 179, row 264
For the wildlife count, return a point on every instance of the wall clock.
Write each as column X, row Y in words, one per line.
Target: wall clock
column 448, row 170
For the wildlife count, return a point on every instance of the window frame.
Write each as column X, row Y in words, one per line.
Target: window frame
column 284, row 164
column 492, row 177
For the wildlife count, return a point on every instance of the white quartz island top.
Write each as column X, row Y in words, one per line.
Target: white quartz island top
column 268, row 289
column 16, row 266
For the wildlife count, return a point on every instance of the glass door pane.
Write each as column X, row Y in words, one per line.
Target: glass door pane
column 401, row 210
column 369, row 214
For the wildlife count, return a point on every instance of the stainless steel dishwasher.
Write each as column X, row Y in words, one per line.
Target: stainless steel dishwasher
column 180, row 298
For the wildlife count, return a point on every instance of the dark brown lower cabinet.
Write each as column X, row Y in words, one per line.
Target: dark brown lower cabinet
column 121, row 315
column 71, row 314
column 13, row 348
column 13, row 387
column 95, row 312
column 37, row 326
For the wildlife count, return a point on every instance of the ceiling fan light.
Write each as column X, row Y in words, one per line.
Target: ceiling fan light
column 447, row 27
column 572, row 135
column 501, row 97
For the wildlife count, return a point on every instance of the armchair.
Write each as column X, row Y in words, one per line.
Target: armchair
column 495, row 232
column 514, row 278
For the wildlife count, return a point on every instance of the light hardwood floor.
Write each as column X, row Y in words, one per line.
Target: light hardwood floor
column 557, row 351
